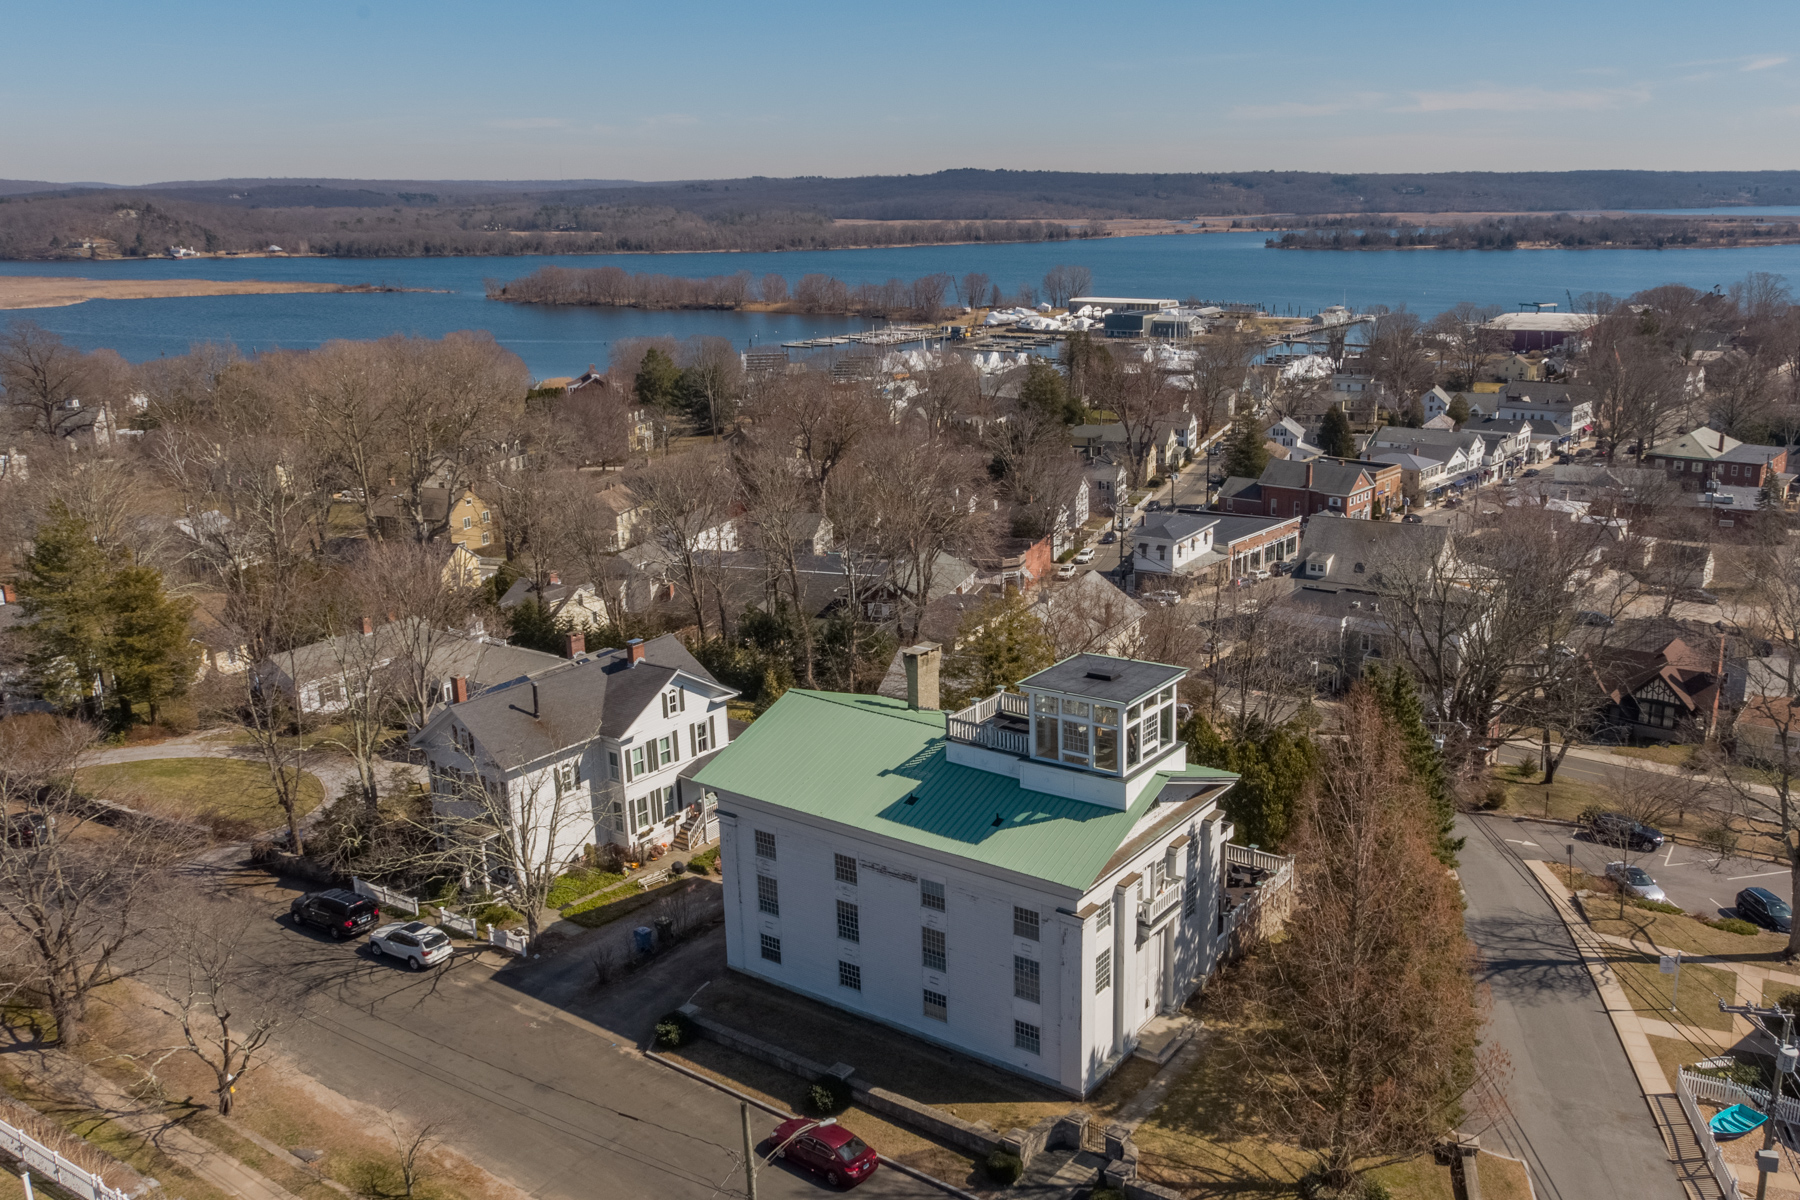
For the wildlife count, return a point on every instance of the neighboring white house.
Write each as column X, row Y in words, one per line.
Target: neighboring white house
column 322, row 676
column 1174, row 544
column 582, row 603
column 623, row 729
column 1029, row 881
column 1291, row 434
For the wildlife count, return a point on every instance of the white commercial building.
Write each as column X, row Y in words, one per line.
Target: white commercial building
column 1030, row 880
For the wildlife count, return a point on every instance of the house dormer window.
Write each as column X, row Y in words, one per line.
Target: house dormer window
column 674, row 701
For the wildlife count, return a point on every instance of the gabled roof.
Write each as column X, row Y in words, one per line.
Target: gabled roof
column 1408, row 462
column 866, row 756
column 1229, row 528
column 1329, row 476
column 598, row 695
column 1359, row 548
column 1704, row 444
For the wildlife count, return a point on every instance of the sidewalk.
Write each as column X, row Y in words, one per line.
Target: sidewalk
column 66, row 1076
column 1630, row 763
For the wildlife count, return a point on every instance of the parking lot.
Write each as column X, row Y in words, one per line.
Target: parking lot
column 1691, row 877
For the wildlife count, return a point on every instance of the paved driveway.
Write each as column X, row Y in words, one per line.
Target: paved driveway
column 555, row 1100
column 1575, row 1114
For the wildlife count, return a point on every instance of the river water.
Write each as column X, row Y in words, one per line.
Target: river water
column 562, row 341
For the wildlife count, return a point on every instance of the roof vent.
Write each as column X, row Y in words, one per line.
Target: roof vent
column 912, row 798
column 1106, row 676
column 999, row 820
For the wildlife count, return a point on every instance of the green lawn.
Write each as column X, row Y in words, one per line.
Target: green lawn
column 218, row 790
column 580, row 883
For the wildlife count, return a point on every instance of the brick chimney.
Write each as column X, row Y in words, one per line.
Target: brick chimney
column 7, row 595
column 1309, row 467
column 368, row 626
column 635, row 648
column 555, row 579
column 459, row 688
column 574, row 644
column 922, row 663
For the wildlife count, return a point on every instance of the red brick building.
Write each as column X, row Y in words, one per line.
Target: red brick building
column 1346, row 487
column 1702, row 454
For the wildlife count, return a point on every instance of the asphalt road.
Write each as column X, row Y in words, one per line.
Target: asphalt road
column 560, row 1105
column 1574, row 1112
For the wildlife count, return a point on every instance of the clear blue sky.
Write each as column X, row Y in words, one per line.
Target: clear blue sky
column 129, row 92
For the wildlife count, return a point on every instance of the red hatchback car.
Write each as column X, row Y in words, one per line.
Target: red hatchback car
column 826, row 1149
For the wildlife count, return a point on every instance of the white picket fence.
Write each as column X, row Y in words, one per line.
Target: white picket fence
column 54, row 1167
column 1719, row 1091
column 386, row 897
column 463, row 925
column 518, row 943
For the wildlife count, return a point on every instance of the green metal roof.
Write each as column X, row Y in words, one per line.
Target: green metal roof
column 856, row 759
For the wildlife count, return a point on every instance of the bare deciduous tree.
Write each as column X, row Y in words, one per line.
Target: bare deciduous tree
column 212, row 989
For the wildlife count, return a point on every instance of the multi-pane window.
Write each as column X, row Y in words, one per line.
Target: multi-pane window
column 771, row 948
column 768, row 895
column 931, row 894
column 667, row 749
column 1102, row 971
column 1027, row 1037
column 1025, row 923
column 765, row 845
column 612, row 765
column 937, row 1005
column 849, row 923
column 638, row 762
column 640, row 813
column 673, row 701
column 1103, row 918
column 850, row 976
column 665, row 797
column 700, row 736
column 844, row 866
column 932, row 944
column 567, row 776
column 1025, row 978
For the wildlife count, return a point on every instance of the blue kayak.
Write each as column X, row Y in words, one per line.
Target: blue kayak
column 1735, row 1122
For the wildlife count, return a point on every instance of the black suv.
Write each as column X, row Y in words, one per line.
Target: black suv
column 1760, row 906
column 1617, row 829
column 340, row 913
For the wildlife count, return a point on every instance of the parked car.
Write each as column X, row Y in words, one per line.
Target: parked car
column 1589, row 617
column 826, row 1149
column 338, row 912
column 1532, row 474
column 1260, row 574
column 1066, row 571
column 27, row 829
column 1163, row 597
column 1109, row 537
column 419, row 945
column 1617, row 829
column 1085, row 555
column 1635, row 881
column 1413, row 519
column 1760, row 906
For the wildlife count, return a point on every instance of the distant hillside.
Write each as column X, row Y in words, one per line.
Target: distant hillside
column 349, row 217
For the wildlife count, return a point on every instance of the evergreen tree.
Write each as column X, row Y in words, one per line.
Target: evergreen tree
column 1274, row 770
column 1335, row 438
column 1045, row 389
column 1399, row 699
column 1459, row 409
column 1771, row 496
column 998, row 644
column 149, row 649
column 97, row 622
column 1245, row 454
column 658, row 381
column 63, row 592
column 533, row 627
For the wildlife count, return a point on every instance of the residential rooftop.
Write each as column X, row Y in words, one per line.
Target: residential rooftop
column 1102, row 677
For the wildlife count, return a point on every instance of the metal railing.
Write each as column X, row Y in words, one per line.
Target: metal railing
column 1685, row 1088
column 37, row 1157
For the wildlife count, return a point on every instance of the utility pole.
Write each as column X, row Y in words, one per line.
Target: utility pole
column 1768, row 1160
column 749, row 1153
